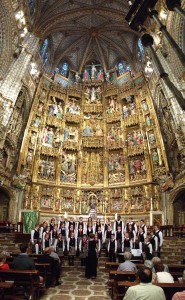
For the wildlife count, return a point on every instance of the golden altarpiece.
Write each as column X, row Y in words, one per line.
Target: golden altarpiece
column 93, row 144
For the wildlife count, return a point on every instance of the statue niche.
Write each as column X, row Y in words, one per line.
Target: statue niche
column 92, row 205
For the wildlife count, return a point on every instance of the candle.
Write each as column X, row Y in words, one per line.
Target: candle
column 65, row 215
column 116, row 216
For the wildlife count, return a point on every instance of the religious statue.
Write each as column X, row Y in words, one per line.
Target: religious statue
column 100, row 75
column 155, row 156
column 29, row 157
column 85, row 75
column 77, row 77
column 93, row 71
column 144, row 105
column 33, row 138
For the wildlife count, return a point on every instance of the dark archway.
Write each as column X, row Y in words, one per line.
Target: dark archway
column 179, row 208
column 4, row 204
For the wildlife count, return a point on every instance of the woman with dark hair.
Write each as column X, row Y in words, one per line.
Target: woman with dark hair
column 91, row 265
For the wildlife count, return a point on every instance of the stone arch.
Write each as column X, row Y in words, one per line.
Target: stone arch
column 177, row 202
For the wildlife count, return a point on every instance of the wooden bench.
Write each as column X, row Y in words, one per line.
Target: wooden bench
column 28, row 279
column 44, row 270
column 172, row 267
column 169, row 288
column 114, row 265
column 115, row 275
column 3, row 287
column 176, row 268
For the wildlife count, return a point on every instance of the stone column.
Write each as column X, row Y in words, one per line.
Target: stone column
column 12, row 83
column 174, row 45
column 147, row 41
column 177, row 112
column 175, row 5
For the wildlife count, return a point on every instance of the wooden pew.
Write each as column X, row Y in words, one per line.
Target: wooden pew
column 45, row 271
column 3, row 287
column 115, row 276
column 176, row 268
column 169, row 288
column 114, row 265
column 28, row 279
column 172, row 267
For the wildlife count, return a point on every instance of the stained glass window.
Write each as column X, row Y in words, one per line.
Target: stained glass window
column 44, row 51
column 140, row 50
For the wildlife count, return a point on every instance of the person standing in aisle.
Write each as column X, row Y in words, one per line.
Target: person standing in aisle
column 91, row 265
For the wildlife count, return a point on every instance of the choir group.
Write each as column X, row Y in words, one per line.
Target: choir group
column 71, row 237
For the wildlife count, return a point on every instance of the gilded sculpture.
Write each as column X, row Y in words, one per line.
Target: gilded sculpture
column 89, row 147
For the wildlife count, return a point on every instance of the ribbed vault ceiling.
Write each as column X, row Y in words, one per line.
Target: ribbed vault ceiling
column 84, row 31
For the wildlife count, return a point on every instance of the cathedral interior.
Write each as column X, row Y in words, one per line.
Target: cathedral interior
column 92, row 109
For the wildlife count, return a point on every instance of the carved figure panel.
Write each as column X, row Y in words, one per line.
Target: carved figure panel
column 48, row 134
column 93, row 125
column 73, row 106
column 71, row 134
column 116, row 167
column 68, row 167
column 114, row 136
column 67, row 204
column 93, row 95
column 46, row 202
column 137, row 168
column 128, row 106
column 47, row 168
column 92, row 200
column 112, row 105
column 116, row 200
column 137, row 198
column 55, row 108
column 134, row 138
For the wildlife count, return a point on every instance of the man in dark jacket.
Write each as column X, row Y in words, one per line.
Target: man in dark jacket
column 23, row 261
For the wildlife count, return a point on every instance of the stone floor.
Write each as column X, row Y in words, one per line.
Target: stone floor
column 75, row 286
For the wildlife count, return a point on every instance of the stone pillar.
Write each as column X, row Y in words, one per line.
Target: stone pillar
column 177, row 112
column 175, row 5
column 12, row 83
column 174, row 45
column 147, row 41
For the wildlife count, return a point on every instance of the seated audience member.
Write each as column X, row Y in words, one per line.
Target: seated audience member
column 149, row 264
column 55, row 270
column 3, row 265
column 179, row 296
column 127, row 265
column 23, row 261
column 145, row 290
column 54, row 254
column 56, row 265
column 161, row 275
column 156, row 260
